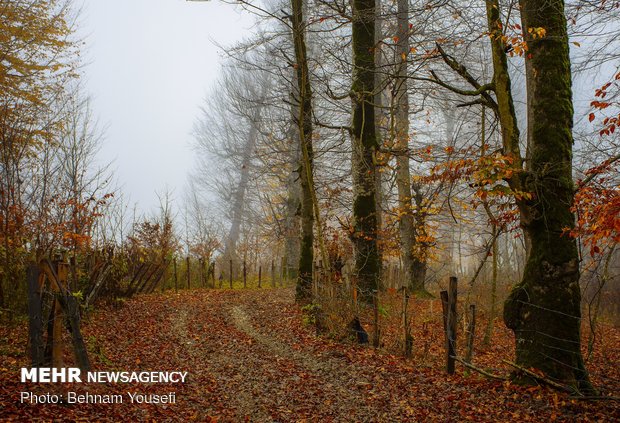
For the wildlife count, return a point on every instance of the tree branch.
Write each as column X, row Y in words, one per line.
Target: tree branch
column 464, row 73
column 542, row 379
column 479, row 370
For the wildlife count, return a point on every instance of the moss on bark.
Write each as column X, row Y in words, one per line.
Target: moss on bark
column 304, row 120
column 544, row 309
column 367, row 262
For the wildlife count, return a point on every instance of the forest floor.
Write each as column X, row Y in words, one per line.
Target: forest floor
column 251, row 357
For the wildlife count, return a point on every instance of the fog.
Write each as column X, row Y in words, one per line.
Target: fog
column 148, row 66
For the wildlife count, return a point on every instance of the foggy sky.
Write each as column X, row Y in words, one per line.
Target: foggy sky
column 149, row 64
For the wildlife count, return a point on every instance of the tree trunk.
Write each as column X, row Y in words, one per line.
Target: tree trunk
column 1, row 289
column 367, row 264
column 544, row 309
column 304, row 122
column 238, row 209
column 379, row 128
column 488, row 333
column 401, row 124
column 293, row 187
column 420, row 244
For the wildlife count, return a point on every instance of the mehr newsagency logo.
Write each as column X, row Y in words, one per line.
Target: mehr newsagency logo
column 75, row 375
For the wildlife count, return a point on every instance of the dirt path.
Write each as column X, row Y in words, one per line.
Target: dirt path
column 337, row 379
column 260, row 377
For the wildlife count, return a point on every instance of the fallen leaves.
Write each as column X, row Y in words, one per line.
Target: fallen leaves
column 250, row 357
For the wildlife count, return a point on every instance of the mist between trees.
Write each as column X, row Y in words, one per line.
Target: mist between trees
column 348, row 149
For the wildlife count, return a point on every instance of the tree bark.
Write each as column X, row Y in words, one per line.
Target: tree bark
column 379, row 127
column 293, row 201
column 544, row 309
column 304, row 122
column 364, row 138
column 417, row 283
column 401, row 124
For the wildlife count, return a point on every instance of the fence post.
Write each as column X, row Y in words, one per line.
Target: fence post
column 245, row 284
column 448, row 302
column 471, row 329
column 320, row 278
column 200, row 272
column 230, row 269
column 62, row 271
column 188, row 273
column 260, row 274
column 34, row 311
column 273, row 273
column 315, row 279
column 204, row 275
column 282, row 270
column 406, row 328
column 375, row 303
column 176, row 281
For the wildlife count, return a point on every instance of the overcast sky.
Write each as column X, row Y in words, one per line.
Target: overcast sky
column 149, row 66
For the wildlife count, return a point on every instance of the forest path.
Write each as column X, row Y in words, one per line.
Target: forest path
column 250, row 357
column 260, row 376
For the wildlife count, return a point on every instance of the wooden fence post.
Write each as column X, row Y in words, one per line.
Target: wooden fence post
column 245, row 283
column 201, row 274
column 471, row 329
column 230, row 269
column 444, row 312
column 62, row 271
column 375, row 304
column 282, row 270
column 188, row 274
column 319, row 274
column 176, row 281
column 273, row 274
column 315, row 279
column 37, row 349
column 406, row 328
column 57, row 274
column 260, row 274
column 448, row 302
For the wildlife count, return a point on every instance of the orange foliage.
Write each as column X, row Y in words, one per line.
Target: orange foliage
column 597, row 201
column 611, row 121
column 597, row 205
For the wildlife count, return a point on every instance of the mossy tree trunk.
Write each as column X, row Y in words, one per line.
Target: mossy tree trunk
column 544, row 309
column 304, row 121
column 367, row 263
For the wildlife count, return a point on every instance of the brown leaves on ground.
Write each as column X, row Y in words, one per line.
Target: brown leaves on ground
column 250, row 357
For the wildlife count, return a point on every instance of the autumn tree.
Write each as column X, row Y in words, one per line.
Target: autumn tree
column 544, row 310
column 364, row 138
column 227, row 136
column 303, row 97
column 37, row 60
